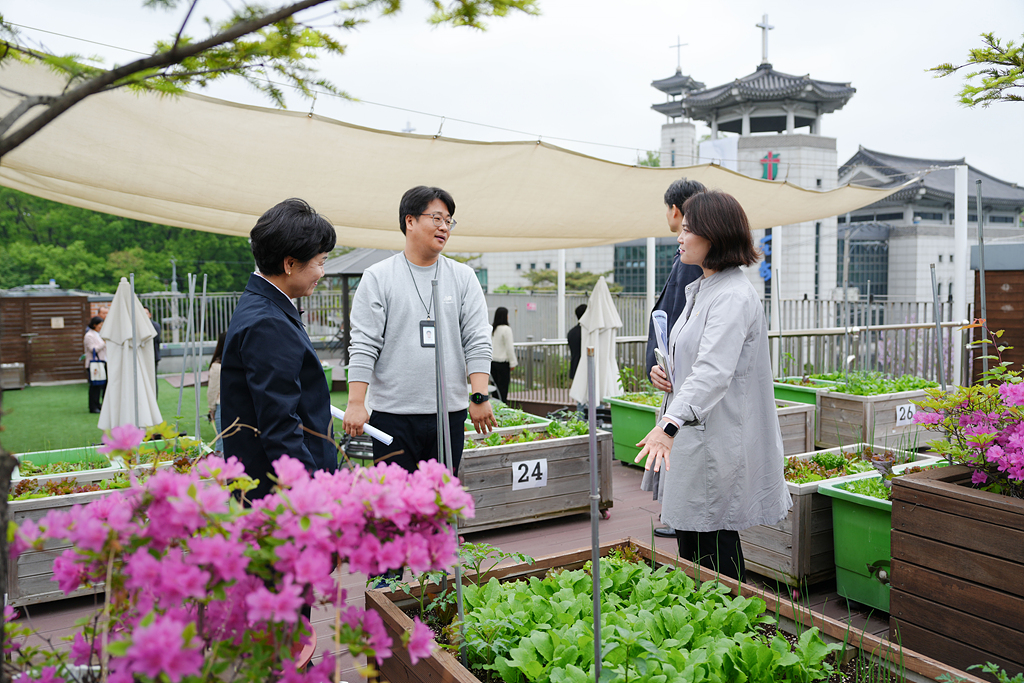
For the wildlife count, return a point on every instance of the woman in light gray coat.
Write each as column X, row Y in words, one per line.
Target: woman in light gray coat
column 718, row 445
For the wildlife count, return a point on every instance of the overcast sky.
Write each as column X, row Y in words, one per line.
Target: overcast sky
column 581, row 71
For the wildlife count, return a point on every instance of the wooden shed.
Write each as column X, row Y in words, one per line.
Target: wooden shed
column 1004, row 294
column 43, row 329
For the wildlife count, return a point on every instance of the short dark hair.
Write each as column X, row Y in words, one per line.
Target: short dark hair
column 719, row 218
column 94, row 321
column 681, row 190
column 580, row 310
column 415, row 201
column 292, row 228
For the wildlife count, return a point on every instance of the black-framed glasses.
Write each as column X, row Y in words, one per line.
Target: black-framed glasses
column 440, row 220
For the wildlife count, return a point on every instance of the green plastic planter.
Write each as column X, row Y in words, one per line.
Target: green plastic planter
column 329, row 374
column 861, row 531
column 800, row 394
column 630, row 423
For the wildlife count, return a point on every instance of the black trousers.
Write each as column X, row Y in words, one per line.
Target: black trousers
column 416, row 438
column 501, row 373
column 96, row 392
column 718, row 551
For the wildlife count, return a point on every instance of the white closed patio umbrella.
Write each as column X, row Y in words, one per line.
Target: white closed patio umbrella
column 598, row 326
column 125, row 368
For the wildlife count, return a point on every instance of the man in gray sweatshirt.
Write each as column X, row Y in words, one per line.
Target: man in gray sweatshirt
column 391, row 356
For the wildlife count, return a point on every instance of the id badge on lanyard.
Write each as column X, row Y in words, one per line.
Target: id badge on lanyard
column 427, row 339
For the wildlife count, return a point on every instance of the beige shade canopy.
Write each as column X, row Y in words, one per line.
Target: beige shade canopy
column 205, row 164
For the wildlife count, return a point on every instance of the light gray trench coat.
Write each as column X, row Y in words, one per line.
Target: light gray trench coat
column 726, row 460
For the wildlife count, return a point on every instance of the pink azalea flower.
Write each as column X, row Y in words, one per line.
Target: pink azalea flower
column 979, row 477
column 923, row 417
column 282, row 606
column 89, row 533
column 160, row 648
column 214, row 467
column 81, row 650
column 1013, row 394
column 289, row 471
column 124, row 438
column 68, row 574
column 420, row 642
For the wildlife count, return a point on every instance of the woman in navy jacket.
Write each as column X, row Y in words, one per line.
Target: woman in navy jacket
column 271, row 378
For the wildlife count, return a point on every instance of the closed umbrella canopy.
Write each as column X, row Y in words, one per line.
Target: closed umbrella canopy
column 206, row 164
column 598, row 326
column 119, row 400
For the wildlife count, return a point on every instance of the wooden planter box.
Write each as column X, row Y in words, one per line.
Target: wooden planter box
column 490, row 473
column 957, row 587
column 442, row 666
column 846, row 418
column 796, row 419
column 537, row 424
column 30, row 577
column 799, row 549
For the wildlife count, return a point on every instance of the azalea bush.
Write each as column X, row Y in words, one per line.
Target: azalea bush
column 199, row 587
column 984, row 426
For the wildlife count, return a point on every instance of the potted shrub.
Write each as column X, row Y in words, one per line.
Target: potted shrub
column 866, row 406
column 201, row 588
column 958, row 532
column 531, row 475
column 799, row 548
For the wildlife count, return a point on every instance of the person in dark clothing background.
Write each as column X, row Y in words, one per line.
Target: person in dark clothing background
column 673, row 295
column 575, row 339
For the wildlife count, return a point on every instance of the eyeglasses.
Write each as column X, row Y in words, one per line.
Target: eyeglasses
column 440, row 220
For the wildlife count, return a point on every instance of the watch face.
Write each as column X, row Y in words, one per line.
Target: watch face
column 478, row 398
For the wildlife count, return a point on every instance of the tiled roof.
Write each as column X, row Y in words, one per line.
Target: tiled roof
column 939, row 183
column 767, row 84
column 356, row 261
column 677, row 84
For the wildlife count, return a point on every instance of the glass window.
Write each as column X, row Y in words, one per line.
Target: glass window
column 631, row 267
column 533, row 266
column 579, row 265
column 547, row 265
column 869, row 260
column 519, row 266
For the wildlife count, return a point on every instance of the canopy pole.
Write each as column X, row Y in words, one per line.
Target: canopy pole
column 595, row 534
column 444, row 453
column 185, row 349
column 846, row 292
column 960, row 266
column 981, row 283
column 135, row 351
column 777, row 323
column 652, row 251
column 199, row 355
column 561, row 294
column 939, row 360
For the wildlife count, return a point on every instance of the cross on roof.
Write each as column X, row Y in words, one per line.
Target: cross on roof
column 679, row 60
column 408, row 127
column 765, row 27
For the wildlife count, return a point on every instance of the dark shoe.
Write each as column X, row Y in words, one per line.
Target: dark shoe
column 96, row 410
column 665, row 532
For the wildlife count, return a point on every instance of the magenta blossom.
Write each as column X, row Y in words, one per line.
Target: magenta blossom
column 160, row 648
column 1013, row 394
column 124, row 438
column 267, row 606
column 923, row 417
column 419, row 641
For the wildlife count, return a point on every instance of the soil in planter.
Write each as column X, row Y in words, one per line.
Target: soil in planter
column 830, row 465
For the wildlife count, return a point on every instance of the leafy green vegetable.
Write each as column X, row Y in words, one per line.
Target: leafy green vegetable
column 874, row 383
column 28, row 468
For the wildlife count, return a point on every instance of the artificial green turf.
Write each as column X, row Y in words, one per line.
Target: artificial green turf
column 48, row 418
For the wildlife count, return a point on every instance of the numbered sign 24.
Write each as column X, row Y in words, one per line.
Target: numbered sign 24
column 905, row 414
column 529, row 474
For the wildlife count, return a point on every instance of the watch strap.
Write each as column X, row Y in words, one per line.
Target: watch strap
column 479, row 398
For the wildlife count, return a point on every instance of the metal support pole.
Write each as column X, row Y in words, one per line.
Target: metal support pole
column 846, row 289
column 595, row 536
column 961, row 265
column 560, row 327
column 940, row 360
column 444, row 453
column 981, row 284
column 198, row 369
column 135, row 351
column 867, row 331
column 184, row 351
column 777, row 322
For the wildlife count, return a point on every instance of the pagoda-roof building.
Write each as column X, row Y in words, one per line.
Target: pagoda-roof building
column 762, row 102
column 877, row 169
column 677, row 84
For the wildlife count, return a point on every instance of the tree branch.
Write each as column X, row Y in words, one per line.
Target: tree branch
column 28, row 102
column 105, row 79
column 177, row 38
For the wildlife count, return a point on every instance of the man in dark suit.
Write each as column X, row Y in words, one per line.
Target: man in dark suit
column 271, row 378
column 673, row 295
column 575, row 339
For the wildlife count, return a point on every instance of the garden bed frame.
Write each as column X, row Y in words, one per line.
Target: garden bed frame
column 442, row 666
column 847, row 418
column 487, row 474
column 958, row 562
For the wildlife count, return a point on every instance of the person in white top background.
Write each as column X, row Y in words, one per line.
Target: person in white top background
column 503, row 354
column 95, row 349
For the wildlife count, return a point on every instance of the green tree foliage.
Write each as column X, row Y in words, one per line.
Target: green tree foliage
column 653, row 160
column 262, row 45
column 575, row 280
column 1001, row 69
column 82, row 249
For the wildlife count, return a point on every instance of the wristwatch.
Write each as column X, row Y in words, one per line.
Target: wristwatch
column 479, row 398
column 669, row 427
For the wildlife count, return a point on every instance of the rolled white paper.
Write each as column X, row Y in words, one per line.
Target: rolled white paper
column 383, row 437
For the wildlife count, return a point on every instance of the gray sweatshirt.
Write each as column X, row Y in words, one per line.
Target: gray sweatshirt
column 385, row 350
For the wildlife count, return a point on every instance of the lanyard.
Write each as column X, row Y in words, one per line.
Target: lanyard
column 417, row 287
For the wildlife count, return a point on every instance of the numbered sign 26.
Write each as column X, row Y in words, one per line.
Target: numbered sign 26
column 905, row 414
column 529, row 474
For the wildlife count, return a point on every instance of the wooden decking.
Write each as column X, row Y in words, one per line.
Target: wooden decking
column 633, row 515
